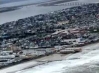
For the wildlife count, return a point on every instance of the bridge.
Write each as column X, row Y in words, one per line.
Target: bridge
column 72, row 4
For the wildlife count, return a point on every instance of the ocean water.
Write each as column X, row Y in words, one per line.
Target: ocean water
column 11, row 1
column 8, row 1
column 26, row 11
column 31, row 10
column 85, row 62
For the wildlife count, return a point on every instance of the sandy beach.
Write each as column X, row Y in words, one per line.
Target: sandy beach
column 35, row 62
column 54, row 62
column 48, row 59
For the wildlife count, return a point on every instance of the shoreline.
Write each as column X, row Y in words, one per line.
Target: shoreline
column 41, row 60
column 70, row 58
column 27, row 7
column 48, row 3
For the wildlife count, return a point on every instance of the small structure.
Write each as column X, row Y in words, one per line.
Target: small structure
column 70, row 50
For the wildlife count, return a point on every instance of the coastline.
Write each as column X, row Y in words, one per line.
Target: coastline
column 41, row 61
column 48, row 3
column 27, row 10
column 87, row 54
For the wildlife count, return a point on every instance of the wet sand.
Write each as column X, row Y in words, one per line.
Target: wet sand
column 33, row 63
column 53, row 57
column 47, row 59
column 86, row 61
